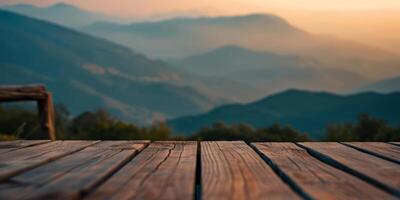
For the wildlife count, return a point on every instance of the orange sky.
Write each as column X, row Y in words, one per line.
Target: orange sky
column 156, row 7
column 374, row 22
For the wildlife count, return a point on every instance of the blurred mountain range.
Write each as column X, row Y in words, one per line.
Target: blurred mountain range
column 267, row 73
column 60, row 13
column 207, row 61
column 383, row 86
column 306, row 111
column 86, row 73
column 183, row 37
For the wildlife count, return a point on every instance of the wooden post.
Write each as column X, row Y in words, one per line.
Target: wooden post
column 46, row 112
column 34, row 93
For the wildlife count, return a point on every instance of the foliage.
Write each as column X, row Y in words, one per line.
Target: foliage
column 5, row 137
column 20, row 123
column 99, row 125
column 274, row 133
column 366, row 129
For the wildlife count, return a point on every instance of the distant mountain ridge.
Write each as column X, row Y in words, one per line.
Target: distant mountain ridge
column 183, row 37
column 383, row 86
column 60, row 13
column 191, row 36
column 87, row 73
column 184, row 33
column 268, row 72
column 233, row 58
column 275, row 23
column 306, row 111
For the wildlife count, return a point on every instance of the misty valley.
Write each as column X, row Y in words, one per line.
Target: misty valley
column 253, row 77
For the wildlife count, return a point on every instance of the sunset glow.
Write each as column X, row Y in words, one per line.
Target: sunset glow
column 373, row 22
column 193, row 71
column 129, row 8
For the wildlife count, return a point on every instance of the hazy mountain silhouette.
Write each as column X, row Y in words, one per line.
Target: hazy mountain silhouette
column 268, row 72
column 87, row 73
column 384, row 86
column 183, row 37
column 303, row 110
column 59, row 13
column 231, row 59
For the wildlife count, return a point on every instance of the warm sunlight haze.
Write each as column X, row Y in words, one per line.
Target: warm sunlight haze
column 373, row 22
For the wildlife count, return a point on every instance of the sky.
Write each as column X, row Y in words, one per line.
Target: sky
column 155, row 7
column 373, row 22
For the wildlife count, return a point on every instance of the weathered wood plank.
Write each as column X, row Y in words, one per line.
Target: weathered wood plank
column 395, row 143
column 317, row 179
column 73, row 175
column 34, row 88
column 15, row 162
column 380, row 172
column 7, row 146
column 36, row 93
column 232, row 170
column 164, row 170
column 22, row 93
column 383, row 150
column 47, row 116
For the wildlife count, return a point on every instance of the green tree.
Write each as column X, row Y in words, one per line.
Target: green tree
column 19, row 123
column 366, row 129
column 100, row 125
column 274, row 133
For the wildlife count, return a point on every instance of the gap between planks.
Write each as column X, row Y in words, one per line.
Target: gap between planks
column 8, row 146
column 163, row 170
column 233, row 170
column 382, row 150
column 314, row 178
column 198, row 155
column 374, row 170
column 72, row 176
column 21, row 160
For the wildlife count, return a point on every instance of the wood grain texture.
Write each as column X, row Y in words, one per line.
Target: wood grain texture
column 164, row 170
column 380, row 149
column 317, row 179
column 395, row 143
column 33, row 93
column 22, row 93
column 7, row 146
column 15, row 162
column 47, row 116
column 232, row 170
column 71, row 176
column 382, row 173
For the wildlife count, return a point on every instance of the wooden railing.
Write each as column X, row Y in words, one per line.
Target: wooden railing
column 36, row 93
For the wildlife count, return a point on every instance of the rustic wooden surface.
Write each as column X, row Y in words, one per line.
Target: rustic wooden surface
column 15, row 162
column 164, row 170
column 70, row 176
column 383, row 150
column 395, row 143
column 232, row 170
column 315, row 178
column 8, row 146
column 190, row 170
column 383, row 173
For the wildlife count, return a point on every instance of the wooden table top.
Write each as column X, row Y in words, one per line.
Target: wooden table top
column 43, row 169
